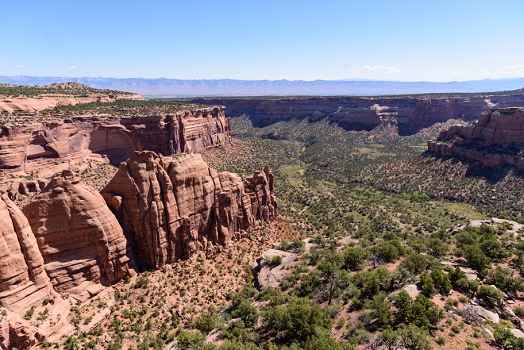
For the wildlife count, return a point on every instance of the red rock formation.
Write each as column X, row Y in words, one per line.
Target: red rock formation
column 17, row 333
column 114, row 137
column 365, row 113
column 496, row 139
column 81, row 241
column 39, row 103
column 23, row 280
column 173, row 207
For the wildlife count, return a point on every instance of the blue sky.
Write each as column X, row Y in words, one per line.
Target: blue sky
column 251, row 39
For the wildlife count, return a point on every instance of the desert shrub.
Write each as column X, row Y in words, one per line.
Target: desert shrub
column 414, row 338
column 490, row 295
column 441, row 281
column 206, row 321
column 519, row 311
column 325, row 342
column 188, row 340
column 421, row 312
column 493, row 249
column 275, row 260
column 504, row 279
column 437, row 247
column 476, row 258
column 245, row 311
column 387, row 251
column 298, row 320
column 427, row 285
column 354, row 258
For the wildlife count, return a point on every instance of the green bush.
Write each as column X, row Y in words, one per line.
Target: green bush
column 490, row 295
column 298, row 320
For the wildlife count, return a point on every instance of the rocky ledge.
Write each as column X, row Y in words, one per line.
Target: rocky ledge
column 409, row 113
column 113, row 137
column 496, row 139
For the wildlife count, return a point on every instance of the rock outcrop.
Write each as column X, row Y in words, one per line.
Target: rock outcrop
column 496, row 139
column 268, row 275
column 410, row 113
column 81, row 241
column 23, row 280
column 39, row 103
column 17, row 333
column 173, row 207
column 116, row 138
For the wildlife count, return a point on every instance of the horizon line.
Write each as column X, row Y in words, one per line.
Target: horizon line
column 268, row 80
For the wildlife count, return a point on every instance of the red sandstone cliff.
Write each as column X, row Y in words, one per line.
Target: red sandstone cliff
column 81, row 241
column 114, row 137
column 171, row 208
column 496, row 139
column 23, row 280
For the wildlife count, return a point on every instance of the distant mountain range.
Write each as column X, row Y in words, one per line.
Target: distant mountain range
column 162, row 87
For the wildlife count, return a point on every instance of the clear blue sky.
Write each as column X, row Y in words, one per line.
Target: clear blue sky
column 434, row 40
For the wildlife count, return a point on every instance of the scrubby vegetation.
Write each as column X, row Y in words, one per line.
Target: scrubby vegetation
column 396, row 258
column 121, row 107
column 69, row 88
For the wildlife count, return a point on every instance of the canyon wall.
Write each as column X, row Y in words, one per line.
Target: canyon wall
column 365, row 113
column 497, row 138
column 172, row 208
column 23, row 280
column 113, row 137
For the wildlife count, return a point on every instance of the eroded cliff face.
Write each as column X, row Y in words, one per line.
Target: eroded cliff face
column 173, row 207
column 81, row 241
column 23, row 280
column 365, row 113
column 39, row 103
column 113, row 137
column 496, row 139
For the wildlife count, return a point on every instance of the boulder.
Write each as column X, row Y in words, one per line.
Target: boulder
column 470, row 273
column 268, row 275
column 486, row 314
column 517, row 333
column 507, row 313
column 412, row 290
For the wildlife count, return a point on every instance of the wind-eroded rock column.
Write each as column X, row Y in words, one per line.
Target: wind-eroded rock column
column 172, row 208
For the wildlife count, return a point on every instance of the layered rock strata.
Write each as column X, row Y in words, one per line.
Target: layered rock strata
column 497, row 138
column 113, row 137
column 82, row 244
column 173, row 207
column 410, row 113
column 39, row 103
column 23, row 280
